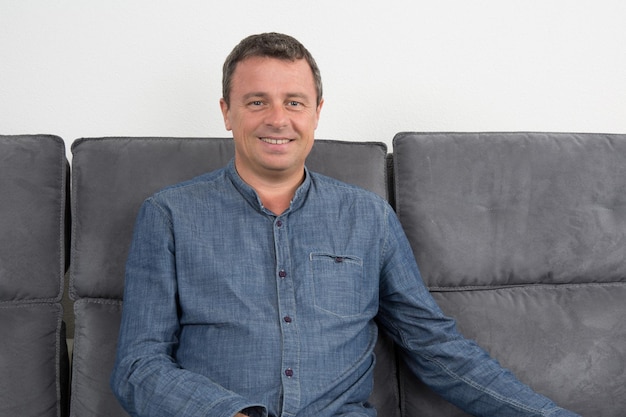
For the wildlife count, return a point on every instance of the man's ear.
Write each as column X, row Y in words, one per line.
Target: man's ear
column 318, row 111
column 225, row 114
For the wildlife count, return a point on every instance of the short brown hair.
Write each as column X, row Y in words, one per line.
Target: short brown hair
column 273, row 45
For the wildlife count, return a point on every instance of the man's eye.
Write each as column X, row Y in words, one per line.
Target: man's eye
column 256, row 103
column 294, row 103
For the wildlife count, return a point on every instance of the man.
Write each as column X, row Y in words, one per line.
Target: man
column 252, row 290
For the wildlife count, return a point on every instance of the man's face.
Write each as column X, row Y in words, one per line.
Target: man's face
column 273, row 115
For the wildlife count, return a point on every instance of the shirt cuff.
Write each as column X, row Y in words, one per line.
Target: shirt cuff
column 253, row 412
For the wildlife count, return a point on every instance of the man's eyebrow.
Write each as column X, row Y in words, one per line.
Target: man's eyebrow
column 298, row 95
column 254, row 94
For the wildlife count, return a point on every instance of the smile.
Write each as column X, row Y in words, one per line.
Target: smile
column 275, row 141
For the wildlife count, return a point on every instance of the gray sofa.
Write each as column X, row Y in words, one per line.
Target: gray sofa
column 520, row 236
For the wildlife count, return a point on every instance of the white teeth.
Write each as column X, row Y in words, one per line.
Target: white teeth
column 275, row 141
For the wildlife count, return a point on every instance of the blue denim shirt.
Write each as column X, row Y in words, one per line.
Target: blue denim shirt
column 228, row 307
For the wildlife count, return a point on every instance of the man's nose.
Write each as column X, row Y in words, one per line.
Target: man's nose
column 277, row 117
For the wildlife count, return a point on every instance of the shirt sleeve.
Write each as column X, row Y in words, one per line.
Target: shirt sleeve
column 453, row 366
column 146, row 378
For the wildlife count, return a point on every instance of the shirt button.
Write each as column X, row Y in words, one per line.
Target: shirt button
column 279, row 223
column 282, row 273
column 287, row 319
column 289, row 372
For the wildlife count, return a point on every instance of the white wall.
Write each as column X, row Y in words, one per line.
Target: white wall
column 80, row 68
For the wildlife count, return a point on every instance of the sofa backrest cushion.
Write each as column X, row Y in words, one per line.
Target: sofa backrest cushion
column 33, row 185
column 521, row 237
column 112, row 177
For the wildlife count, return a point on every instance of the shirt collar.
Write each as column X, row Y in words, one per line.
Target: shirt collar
column 251, row 196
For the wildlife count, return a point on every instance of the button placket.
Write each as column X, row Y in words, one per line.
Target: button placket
column 286, row 309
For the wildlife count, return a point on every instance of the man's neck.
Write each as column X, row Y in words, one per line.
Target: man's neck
column 276, row 200
column 275, row 191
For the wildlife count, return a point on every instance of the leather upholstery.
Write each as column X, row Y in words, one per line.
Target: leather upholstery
column 33, row 350
column 521, row 237
column 111, row 178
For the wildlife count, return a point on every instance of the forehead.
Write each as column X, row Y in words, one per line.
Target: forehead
column 266, row 73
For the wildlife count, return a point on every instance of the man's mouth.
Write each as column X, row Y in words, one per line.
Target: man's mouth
column 273, row 141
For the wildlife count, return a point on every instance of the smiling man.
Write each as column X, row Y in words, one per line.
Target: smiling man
column 256, row 289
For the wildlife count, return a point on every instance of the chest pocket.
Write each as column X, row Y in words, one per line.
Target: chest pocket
column 337, row 283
